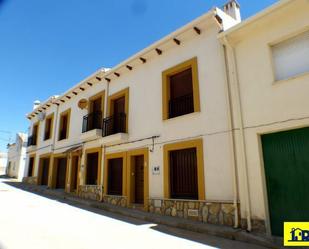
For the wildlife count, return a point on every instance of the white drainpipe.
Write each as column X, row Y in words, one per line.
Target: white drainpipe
column 103, row 147
column 232, row 137
column 243, row 157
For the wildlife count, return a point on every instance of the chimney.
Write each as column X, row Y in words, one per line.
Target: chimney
column 36, row 104
column 232, row 8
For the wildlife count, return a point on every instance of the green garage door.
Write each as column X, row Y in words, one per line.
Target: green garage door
column 286, row 160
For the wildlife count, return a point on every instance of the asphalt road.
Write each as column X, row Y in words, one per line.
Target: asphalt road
column 31, row 221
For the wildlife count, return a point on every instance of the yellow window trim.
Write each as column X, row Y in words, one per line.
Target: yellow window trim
column 50, row 116
column 66, row 112
column 125, row 93
column 95, row 97
column 198, row 144
column 130, row 155
column 124, row 171
column 89, row 151
column 192, row 63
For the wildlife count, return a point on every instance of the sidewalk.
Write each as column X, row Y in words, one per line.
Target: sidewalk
column 216, row 230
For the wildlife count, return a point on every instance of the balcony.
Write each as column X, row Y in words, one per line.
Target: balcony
column 32, row 140
column 92, row 126
column 114, row 129
column 181, row 105
column 114, row 124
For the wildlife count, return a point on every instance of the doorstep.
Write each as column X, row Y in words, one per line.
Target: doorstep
column 194, row 226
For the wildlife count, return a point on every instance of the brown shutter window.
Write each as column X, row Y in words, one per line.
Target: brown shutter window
column 183, row 174
column 181, row 94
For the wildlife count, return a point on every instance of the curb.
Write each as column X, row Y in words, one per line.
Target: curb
column 210, row 229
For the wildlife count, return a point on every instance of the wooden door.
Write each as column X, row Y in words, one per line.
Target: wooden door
column 61, row 172
column 119, row 112
column 96, row 105
column 92, row 168
column 115, row 176
column 139, row 179
column 45, row 170
column 96, row 116
column 74, row 173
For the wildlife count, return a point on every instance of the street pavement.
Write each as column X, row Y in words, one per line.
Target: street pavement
column 31, row 221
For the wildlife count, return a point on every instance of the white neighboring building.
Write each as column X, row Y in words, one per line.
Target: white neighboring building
column 17, row 157
column 3, row 161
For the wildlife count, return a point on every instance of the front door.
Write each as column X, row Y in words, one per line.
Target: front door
column 45, row 169
column 61, row 172
column 92, row 168
column 115, row 176
column 119, row 115
column 286, row 162
column 74, row 173
column 139, row 179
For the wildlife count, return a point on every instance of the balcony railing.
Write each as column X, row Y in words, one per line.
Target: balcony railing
column 31, row 140
column 92, row 121
column 181, row 105
column 114, row 124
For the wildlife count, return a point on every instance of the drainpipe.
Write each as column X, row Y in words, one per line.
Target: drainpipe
column 235, row 81
column 104, row 147
column 232, row 137
column 53, row 146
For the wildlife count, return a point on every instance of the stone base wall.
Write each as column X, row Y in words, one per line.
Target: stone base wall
column 30, row 180
column 256, row 225
column 115, row 200
column 91, row 192
column 208, row 212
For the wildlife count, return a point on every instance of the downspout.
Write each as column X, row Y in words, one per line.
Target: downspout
column 241, row 130
column 232, row 137
column 104, row 147
column 53, row 145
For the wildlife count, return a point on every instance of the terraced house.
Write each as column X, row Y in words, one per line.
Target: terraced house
column 180, row 128
column 155, row 128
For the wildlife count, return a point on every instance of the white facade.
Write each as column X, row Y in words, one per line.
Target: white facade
column 239, row 99
column 17, row 157
column 267, row 94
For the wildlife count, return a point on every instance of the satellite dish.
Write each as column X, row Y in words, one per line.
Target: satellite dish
column 82, row 104
column 41, row 116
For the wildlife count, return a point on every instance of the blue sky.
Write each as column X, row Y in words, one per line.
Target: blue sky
column 48, row 46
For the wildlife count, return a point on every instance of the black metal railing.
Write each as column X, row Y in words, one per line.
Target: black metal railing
column 31, row 140
column 92, row 121
column 181, row 105
column 114, row 124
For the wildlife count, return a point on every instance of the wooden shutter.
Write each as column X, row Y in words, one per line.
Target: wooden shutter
column 183, row 174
